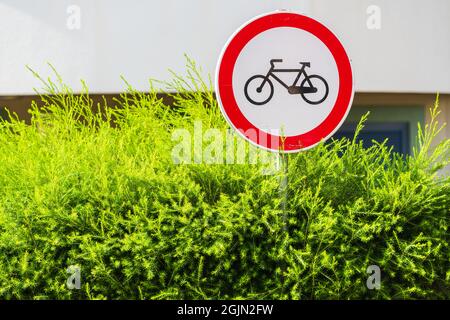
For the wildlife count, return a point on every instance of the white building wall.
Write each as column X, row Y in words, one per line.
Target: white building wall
column 142, row 39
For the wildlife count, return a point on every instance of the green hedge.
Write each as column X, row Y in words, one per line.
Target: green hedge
column 101, row 191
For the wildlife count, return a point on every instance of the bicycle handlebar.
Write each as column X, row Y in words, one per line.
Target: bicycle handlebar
column 275, row 60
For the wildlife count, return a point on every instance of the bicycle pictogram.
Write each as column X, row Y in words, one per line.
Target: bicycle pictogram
column 313, row 88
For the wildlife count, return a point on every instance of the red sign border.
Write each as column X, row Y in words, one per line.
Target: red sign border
column 224, row 80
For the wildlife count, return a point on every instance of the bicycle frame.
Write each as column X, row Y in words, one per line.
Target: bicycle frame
column 273, row 70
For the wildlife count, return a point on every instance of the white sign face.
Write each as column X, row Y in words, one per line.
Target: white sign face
column 285, row 109
column 285, row 73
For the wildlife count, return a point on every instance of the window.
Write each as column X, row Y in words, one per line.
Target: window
column 398, row 124
column 397, row 134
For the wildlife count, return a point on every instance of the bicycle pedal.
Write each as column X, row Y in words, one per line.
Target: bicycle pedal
column 294, row 90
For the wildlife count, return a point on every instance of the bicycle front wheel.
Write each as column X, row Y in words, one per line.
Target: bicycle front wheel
column 258, row 90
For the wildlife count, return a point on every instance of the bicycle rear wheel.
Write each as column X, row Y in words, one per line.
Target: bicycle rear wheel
column 322, row 89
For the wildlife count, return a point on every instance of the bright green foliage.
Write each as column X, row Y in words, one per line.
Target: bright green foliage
column 101, row 191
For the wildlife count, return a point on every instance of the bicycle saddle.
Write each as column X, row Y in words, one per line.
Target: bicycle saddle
column 306, row 64
column 272, row 61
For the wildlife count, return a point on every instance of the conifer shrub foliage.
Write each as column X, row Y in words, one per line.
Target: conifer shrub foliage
column 100, row 190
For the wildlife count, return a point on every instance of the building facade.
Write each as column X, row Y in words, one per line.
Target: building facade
column 400, row 50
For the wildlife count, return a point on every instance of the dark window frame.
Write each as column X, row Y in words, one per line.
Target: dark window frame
column 381, row 127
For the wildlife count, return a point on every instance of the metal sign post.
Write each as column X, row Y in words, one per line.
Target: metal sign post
column 284, row 70
column 284, row 187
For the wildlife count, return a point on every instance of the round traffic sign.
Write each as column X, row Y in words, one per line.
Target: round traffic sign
column 284, row 82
